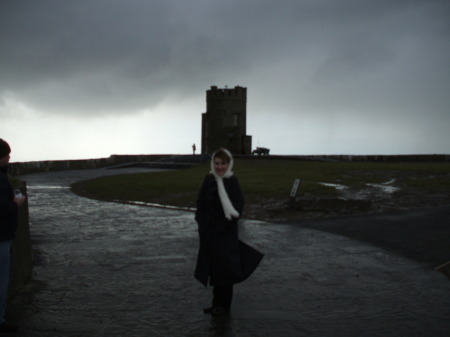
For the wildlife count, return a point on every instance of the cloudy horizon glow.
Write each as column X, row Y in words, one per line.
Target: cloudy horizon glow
column 88, row 79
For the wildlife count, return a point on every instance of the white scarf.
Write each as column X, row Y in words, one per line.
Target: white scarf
column 227, row 206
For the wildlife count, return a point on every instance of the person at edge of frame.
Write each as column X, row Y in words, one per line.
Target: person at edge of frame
column 223, row 259
column 9, row 211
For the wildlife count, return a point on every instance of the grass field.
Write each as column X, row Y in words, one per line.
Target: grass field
column 267, row 184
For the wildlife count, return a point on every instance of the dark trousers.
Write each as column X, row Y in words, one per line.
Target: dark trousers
column 222, row 296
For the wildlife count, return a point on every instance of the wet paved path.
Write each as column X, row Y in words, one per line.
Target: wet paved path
column 107, row 269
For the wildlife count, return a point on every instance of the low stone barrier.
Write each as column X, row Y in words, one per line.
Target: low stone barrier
column 356, row 158
column 21, row 257
column 20, row 168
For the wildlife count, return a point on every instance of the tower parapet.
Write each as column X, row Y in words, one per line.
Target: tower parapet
column 216, row 92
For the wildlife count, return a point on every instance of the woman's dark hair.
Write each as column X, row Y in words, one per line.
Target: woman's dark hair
column 222, row 154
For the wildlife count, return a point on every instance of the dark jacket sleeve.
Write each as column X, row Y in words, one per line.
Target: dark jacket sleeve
column 7, row 204
column 8, row 210
column 201, row 199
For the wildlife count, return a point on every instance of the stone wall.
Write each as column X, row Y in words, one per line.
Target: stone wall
column 358, row 158
column 20, row 168
column 22, row 259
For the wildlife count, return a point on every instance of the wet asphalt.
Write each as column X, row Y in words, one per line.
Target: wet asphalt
column 109, row 269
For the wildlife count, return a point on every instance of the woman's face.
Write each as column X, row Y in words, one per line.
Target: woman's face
column 220, row 166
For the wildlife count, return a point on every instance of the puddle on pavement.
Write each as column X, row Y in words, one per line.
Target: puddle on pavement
column 151, row 204
column 47, row 187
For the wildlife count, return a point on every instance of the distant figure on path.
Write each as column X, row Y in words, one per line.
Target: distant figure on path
column 9, row 206
column 193, row 149
column 222, row 259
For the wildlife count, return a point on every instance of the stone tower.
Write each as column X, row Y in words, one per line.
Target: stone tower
column 224, row 124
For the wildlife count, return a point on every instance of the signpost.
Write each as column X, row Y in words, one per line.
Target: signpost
column 293, row 194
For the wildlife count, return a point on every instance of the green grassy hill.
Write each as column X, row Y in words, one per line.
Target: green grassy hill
column 267, row 184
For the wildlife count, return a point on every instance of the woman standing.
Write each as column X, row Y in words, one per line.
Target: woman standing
column 221, row 254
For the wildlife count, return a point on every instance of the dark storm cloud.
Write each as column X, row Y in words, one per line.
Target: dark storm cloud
column 85, row 53
column 108, row 56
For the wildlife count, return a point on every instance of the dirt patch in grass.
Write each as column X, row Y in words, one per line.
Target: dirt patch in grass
column 365, row 200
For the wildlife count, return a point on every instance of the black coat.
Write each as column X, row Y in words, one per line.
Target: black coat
column 8, row 208
column 222, row 258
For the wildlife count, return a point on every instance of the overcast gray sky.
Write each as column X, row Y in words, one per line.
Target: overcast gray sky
column 91, row 78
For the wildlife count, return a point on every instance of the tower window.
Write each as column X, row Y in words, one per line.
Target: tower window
column 235, row 119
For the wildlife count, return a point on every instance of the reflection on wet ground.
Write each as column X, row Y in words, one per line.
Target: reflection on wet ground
column 371, row 190
column 108, row 269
